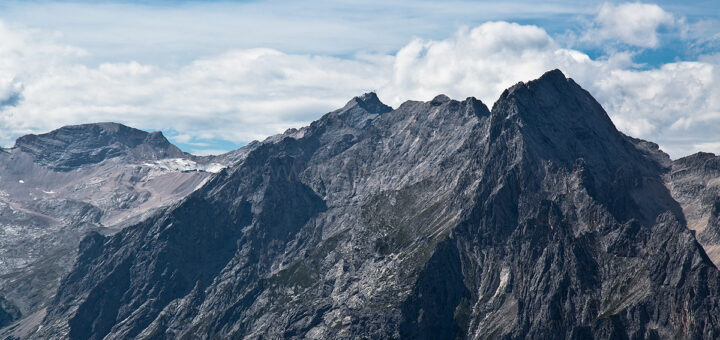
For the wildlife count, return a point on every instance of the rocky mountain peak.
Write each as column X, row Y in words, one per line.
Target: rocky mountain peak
column 439, row 100
column 562, row 124
column 554, row 75
column 560, row 118
column 76, row 145
column 557, row 99
column 370, row 103
column 358, row 111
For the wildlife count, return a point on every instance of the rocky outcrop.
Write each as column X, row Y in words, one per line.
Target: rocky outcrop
column 434, row 220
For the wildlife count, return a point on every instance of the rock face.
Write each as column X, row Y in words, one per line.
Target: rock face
column 57, row 187
column 436, row 220
column 695, row 183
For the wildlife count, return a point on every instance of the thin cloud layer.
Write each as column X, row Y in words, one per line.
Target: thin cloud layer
column 246, row 94
column 177, row 32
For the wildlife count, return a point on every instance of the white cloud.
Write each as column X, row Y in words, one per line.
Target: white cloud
column 484, row 61
column 713, row 147
column 481, row 61
column 634, row 24
column 238, row 96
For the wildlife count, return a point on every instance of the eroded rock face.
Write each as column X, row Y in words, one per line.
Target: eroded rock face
column 434, row 220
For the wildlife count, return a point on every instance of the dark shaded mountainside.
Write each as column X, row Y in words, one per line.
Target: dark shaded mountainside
column 435, row 220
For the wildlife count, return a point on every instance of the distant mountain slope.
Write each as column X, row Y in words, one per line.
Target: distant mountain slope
column 58, row 186
column 73, row 146
column 695, row 184
column 435, row 220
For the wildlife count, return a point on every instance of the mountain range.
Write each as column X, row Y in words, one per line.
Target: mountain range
column 434, row 220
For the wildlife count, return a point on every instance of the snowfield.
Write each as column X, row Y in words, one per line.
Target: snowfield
column 180, row 164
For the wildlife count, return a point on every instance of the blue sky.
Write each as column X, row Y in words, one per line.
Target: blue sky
column 216, row 75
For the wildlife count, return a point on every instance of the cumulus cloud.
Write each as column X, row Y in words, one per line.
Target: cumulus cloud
column 481, row 61
column 484, row 61
column 674, row 105
column 634, row 24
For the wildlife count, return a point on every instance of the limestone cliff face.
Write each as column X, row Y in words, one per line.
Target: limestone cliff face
column 435, row 220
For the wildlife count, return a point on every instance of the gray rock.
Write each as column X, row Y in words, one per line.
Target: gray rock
column 694, row 182
column 435, row 220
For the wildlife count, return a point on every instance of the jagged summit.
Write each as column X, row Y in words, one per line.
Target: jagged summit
column 554, row 75
column 358, row 111
column 369, row 102
column 556, row 114
column 555, row 97
column 75, row 145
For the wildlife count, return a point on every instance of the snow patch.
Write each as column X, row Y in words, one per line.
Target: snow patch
column 184, row 165
column 21, row 182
